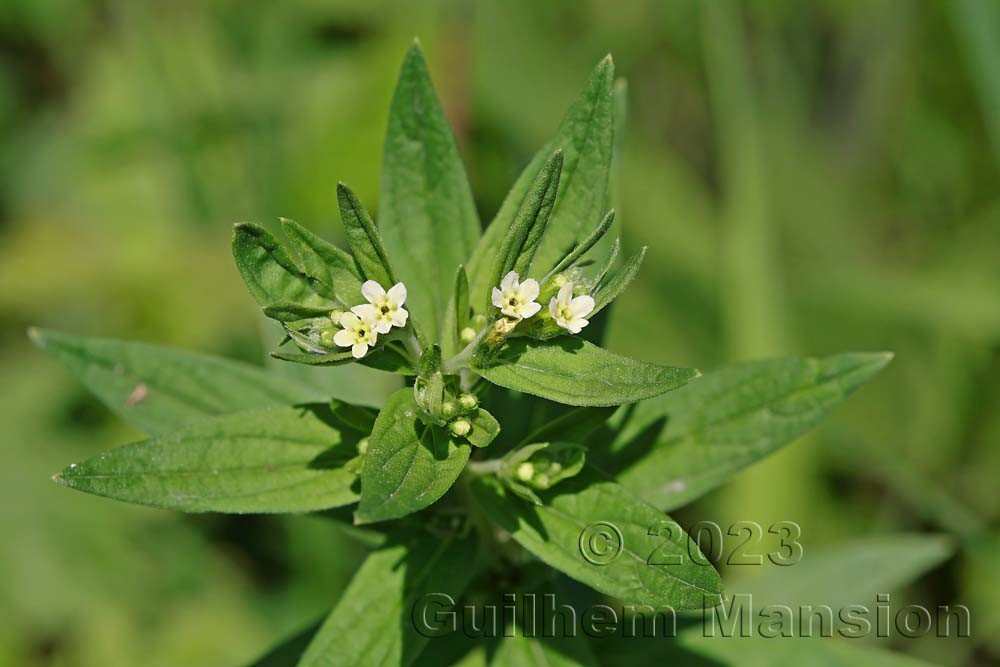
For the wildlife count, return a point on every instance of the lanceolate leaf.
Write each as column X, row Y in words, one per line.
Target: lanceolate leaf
column 583, row 246
column 585, row 136
column 161, row 389
column 271, row 460
column 563, row 532
column 617, row 282
column 521, row 241
column 575, row 372
column 290, row 312
column 375, row 621
column 329, row 359
column 848, row 573
column 674, row 448
column 426, row 211
column 457, row 317
column 270, row 273
column 364, row 239
column 334, row 270
column 409, row 465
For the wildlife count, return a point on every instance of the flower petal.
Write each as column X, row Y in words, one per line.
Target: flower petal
column 566, row 293
column 397, row 294
column 554, row 308
column 372, row 291
column 529, row 290
column 382, row 325
column 577, row 324
column 509, row 281
column 349, row 320
column 364, row 312
column 359, row 350
column 497, row 298
column 529, row 309
column 581, row 305
column 399, row 317
column 343, row 338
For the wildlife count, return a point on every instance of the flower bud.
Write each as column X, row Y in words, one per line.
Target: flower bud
column 460, row 427
column 448, row 409
column 525, row 471
column 468, row 402
column 362, row 446
column 326, row 338
column 335, row 316
column 467, row 335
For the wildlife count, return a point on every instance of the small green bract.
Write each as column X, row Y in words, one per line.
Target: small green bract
column 504, row 438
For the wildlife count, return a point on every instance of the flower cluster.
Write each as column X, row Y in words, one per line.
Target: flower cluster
column 362, row 325
column 517, row 300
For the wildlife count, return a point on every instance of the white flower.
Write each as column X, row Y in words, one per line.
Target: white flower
column 568, row 312
column 386, row 308
column 516, row 299
column 358, row 333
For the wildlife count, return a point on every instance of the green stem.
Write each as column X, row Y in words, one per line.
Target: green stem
column 489, row 467
column 461, row 359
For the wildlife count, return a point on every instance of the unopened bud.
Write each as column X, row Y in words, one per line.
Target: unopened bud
column 525, row 471
column 448, row 409
column 468, row 402
column 326, row 338
column 460, row 427
column 362, row 446
column 467, row 335
column 335, row 316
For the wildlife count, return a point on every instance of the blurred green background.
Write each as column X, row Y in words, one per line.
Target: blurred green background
column 810, row 178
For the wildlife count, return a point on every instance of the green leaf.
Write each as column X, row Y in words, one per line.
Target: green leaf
column 329, row 359
column 848, row 573
column 287, row 311
column 582, row 247
column 364, row 239
column 575, row 425
column 270, row 273
column 545, row 651
column 526, row 231
column 374, row 621
column 575, row 372
column 159, row 389
column 271, row 460
column 458, row 314
column 679, row 446
column 485, row 428
column 787, row 652
column 409, row 465
column 692, row 647
column 563, row 532
column 333, row 269
column 585, row 136
column 358, row 417
column 426, row 211
column 617, row 282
